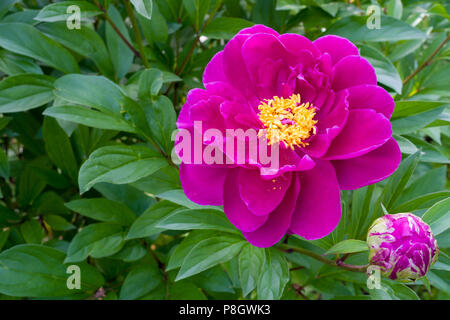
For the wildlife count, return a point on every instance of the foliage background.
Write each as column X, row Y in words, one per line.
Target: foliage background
column 86, row 175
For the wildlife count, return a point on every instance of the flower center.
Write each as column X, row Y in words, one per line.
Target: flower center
column 287, row 120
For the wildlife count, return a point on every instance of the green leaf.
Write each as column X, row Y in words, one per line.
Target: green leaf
column 154, row 29
column 58, row 223
column 25, row 92
column 59, row 148
column 7, row 217
column 417, row 121
column 177, row 196
column 135, row 199
column 142, row 278
column 274, row 276
column 96, row 240
column 30, row 186
column 4, row 234
column 119, row 164
column 395, row 9
column 121, row 55
column 182, row 250
column 102, row 209
column 89, row 117
column 4, row 165
column 208, row 253
column 32, row 231
column 161, row 119
column 386, row 72
column 150, row 82
column 251, row 262
column 354, row 28
column 92, row 91
column 161, row 181
column 196, row 9
column 147, row 223
column 143, row 7
column 14, row 64
column 185, row 290
column 225, row 27
column 438, row 216
column 416, row 203
column 28, row 41
column 431, row 181
column 58, row 11
column 131, row 251
column 397, row 182
column 39, row 271
column 413, row 107
column 197, row 219
column 83, row 41
column 348, row 246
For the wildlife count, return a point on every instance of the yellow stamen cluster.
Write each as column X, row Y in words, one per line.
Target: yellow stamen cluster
column 287, row 120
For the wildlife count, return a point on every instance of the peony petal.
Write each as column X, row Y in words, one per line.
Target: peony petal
column 234, row 66
column 193, row 97
column 318, row 209
column 371, row 97
column 295, row 42
column 278, row 223
column 235, row 209
column 214, row 69
column 262, row 196
column 369, row 168
column 259, row 28
column 203, row 184
column 364, row 131
column 337, row 47
column 331, row 120
column 352, row 71
column 288, row 160
column 260, row 47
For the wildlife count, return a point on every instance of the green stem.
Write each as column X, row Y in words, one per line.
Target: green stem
column 137, row 34
column 338, row 263
column 192, row 48
column 113, row 25
column 427, row 62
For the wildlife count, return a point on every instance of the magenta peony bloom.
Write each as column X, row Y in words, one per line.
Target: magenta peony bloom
column 402, row 245
column 317, row 102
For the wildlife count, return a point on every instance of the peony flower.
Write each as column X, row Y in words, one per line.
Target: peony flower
column 317, row 102
column 402, row 245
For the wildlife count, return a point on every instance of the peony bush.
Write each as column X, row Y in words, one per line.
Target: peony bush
column 221, row 149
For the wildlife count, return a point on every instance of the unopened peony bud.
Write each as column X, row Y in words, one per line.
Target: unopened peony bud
column 402, row 245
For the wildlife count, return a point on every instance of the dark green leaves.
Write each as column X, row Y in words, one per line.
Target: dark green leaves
column 209, row 253
column 28, row 41
column 143, row 277
column 438, row 216
column 119, row 164
column 39, row 271
column 93, row 91
column 103, row 210
column 24, row 92
column 385, row 70
column 225, row 27
column 96, row 240
column 354, row 28
column 196, row 10
column 59, row 148
column 58, row 11
column 251, row 262
column 348, row 246
column 121, row 55
column 274, row 276
column 143, row 7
